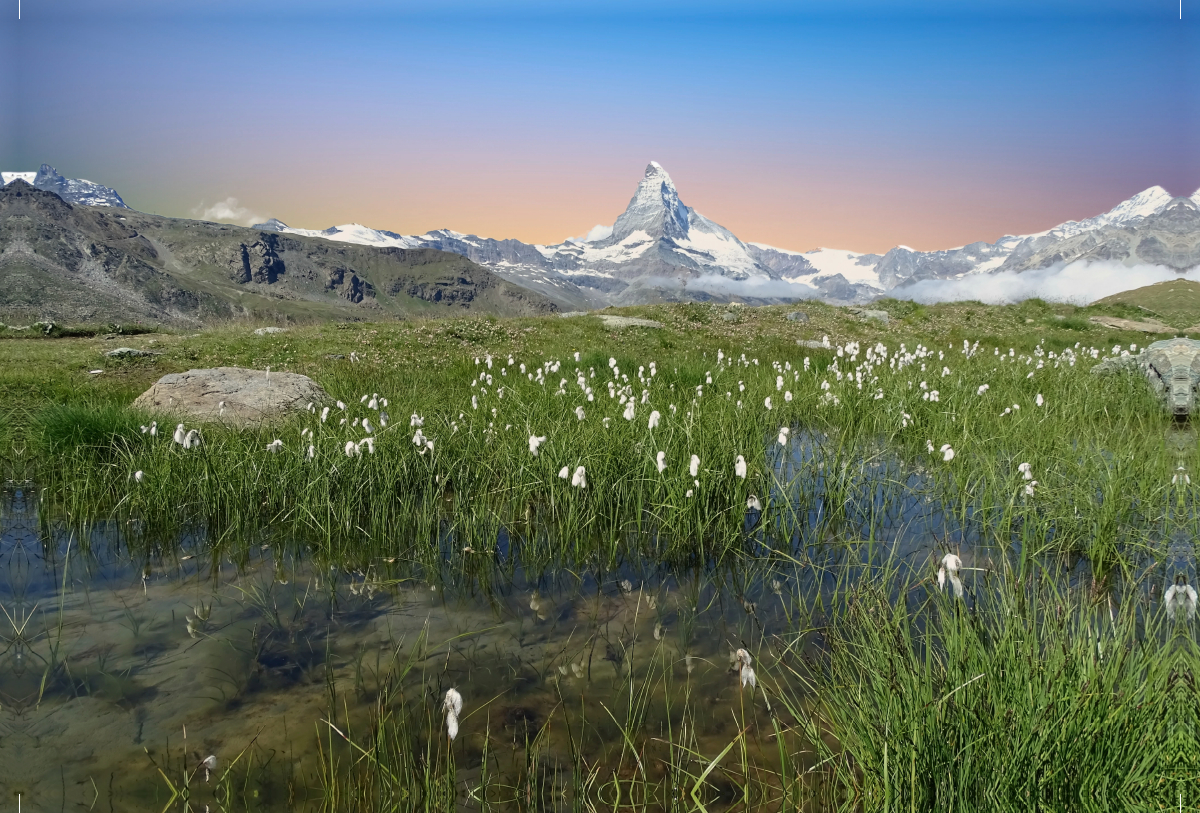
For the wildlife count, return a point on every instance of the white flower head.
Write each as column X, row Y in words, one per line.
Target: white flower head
column 564, row 472
column 655, row 417
column 452, row 704
column 783, row 435
column 579, row 478
column 275, row 446
column 534, row 442
column 1180, row 598
column 951, row 564
column 694, row 466
column 139, row 476
column 661, row 462
column 351, row 449
column 739, row 467
column 767, row 402
column 753, row 503
column 947, row 452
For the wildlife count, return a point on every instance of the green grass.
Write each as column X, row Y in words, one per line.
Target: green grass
column 1050, row 688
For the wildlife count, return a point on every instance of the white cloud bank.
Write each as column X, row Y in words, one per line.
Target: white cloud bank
column 227, row 211
column 1078, row 283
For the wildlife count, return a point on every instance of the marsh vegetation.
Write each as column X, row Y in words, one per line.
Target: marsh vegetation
column 699, row 568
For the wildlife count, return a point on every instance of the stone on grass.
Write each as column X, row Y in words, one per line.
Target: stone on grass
column 129, row 352
column 797, row 316
column 627, row 321
column 263, row 331
column 250, row 396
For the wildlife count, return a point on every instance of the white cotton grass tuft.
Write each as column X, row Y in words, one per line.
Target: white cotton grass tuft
column 947, row 452
column 564, row 472
column 753, row 503
column 180, row 434
column 351, row 449
column 275, row 446
column 783, row 435
column 209, row 763
column 1180, row 598
column 660, row 460
column 950, row 566
column 741, row 661
column 655, row 417
column 452, row 704
column 579, row 478
column 739, row 467
column 534, row 442
column 1026, row 471
column 192, row 439
column 579, row 413
column 694, row 466
column 139, row 476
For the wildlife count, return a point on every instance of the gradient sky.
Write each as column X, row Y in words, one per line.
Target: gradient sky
column 858, row 124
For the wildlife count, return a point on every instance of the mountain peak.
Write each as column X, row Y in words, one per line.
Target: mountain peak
column 655, row 209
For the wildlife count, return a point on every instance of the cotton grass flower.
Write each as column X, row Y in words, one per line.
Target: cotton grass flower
column 739, row 467
column 139, row 476
column 746, row 676
column 753, row 503
column 660, row 461
column 351, row 449
column 1026, row 471
column 579, row 413
column 947, row 452
column 1040, row 401
column 1180, row 598
column 192, row 439
column 783, row 435
column 1029, row 488
column 767, row 402
column 275, row 446
column 180, row 434
column 579, row 478
column 951, row 564
column 655, row 417
column 452, row 704
column 694, row 466
column 534, row 442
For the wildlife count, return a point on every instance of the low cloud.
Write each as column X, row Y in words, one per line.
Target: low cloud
column 1078, row 283
column 228, row 211
column 598, row 232
column 756, row 287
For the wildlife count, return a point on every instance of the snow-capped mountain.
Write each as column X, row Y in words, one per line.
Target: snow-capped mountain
column 658, row 249
column 661, row 249
column 77, row 191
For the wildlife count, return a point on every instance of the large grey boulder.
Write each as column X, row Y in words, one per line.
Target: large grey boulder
column 1172, row 367
column 249, row 396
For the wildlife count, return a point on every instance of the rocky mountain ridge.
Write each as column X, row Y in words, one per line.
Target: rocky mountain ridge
column 73, row 263
column 659, row 249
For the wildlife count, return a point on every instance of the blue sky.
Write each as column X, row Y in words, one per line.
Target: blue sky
column 855, row 124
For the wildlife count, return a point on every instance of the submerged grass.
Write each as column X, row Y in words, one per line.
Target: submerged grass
column 1058, row 684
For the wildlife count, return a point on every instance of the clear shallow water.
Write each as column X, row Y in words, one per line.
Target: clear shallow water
column 109, row 658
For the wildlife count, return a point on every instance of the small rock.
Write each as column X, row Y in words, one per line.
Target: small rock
column 797, row 316
column 128, row 352
column 263, row 331
column 569, row 314
column 874, row 315
column 729, row 317
column 627, row 321
column 812, row 344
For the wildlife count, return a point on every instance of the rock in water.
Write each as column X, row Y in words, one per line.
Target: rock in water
column 250, row 396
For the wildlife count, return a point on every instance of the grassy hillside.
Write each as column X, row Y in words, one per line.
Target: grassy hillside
column 1176, row 302
column 78, row 264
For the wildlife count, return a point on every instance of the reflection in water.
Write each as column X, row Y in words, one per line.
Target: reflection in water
column 123, row 674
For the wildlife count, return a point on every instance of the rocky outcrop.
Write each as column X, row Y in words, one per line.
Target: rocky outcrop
column 231, row 394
